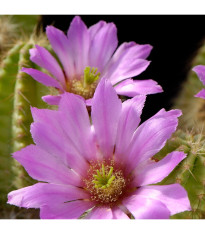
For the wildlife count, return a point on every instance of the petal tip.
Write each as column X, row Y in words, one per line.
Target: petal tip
column 197, row 68
column 23, row 69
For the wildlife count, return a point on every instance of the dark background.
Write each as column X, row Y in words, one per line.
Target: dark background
column 175, row 40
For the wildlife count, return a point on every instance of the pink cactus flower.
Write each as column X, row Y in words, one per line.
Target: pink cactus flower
column 200, row 71
column 87, row 55
column 101, row 167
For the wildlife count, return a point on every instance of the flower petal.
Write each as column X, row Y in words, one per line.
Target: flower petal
column 59, row 43
column 44, row 167
column 70, row 210
column 54, row 142
column 43, row 58
column 40, row 194
column 200, row 71
column 103, row 44
column 129, row 120
column 118, row 213
column 94, row 29
column 106, row 109
column 174, row 196
column 79, row 43
column 201, row 94
column 151, row 136
column 42, row 77
column 156, row 172
column 146, row 208
column 128, row 61
column 50, row 119
column 45, row 116
column 100, row 213
column 76, row 123
column 132, row 87
column 88, row 102
column 52, row 99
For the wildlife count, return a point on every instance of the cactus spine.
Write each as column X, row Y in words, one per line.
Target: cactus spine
column 190, row 173
column 7, row 82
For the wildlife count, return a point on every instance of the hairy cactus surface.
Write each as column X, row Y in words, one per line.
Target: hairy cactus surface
column 8, row 73
column 15, row 28
column 18, row 91
column 190, row 173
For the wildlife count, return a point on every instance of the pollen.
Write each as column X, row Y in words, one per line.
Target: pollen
column 78, row 88
column 105, row 182
column 86, row 85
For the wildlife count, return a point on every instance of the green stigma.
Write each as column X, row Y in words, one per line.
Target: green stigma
column 103, row 179
column 90, row 75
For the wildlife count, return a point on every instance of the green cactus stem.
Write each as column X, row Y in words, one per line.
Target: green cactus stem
column 8, row 73
column 190, row 173
column 27, row 93
column 18, row 91
column 24, row 97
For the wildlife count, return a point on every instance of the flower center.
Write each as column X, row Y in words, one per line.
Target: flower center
column 86, row 86
column 105, row 182
column 90, row 75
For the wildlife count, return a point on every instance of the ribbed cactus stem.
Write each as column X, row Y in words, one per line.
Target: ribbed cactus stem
column 24, row 97
column 190, row 173
column 8, row 73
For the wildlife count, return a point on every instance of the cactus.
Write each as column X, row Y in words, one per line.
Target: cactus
column 18, row 92
column 8, row 34
column 27, row 93
column 24, row 97
column 12, row 28
column 7, row 81
column 190, row 173
column 193, row 108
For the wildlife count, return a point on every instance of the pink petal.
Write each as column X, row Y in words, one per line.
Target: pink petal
column 51, row 122
column 100, row 213
column 79, row 43
column 76, row 124
column 129, row 120
column 60, row 45
column 103, row 44
column 156, row 172
column 41, row 194
column 94, row 29
column 88, row 102
column 106, row 109
column 151, row 136
column 43, row 58
column 146, row 208
column 128, row 61
column 118, row 213
column 132, row 87
column 200, row 71
column 45, row 116
column 54, row 141
column 45, row 167
column 52, row 100
column 174, row 196
column 42, row 77
column 201, row 94
column 70, row 210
